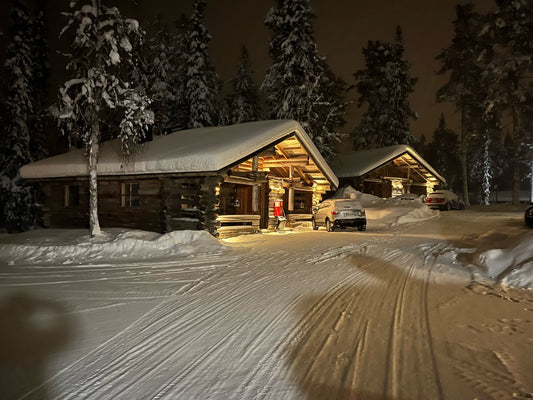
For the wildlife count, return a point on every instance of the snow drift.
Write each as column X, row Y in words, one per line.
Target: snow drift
column 75, row 246
column 388, row 212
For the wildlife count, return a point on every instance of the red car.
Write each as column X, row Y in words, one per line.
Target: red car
column 444, row 200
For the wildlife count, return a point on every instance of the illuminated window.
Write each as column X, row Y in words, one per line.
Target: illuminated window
column 72, row 195
column 129, row 195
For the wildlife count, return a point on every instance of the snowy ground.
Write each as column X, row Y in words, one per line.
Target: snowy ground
column 424, row 305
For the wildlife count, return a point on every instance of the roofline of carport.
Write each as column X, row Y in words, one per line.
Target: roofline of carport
column 430, row 170
column 272, row 144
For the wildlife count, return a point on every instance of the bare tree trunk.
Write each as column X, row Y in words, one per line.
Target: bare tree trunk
column 463, row 157
column 516, row 156
column 94, row 223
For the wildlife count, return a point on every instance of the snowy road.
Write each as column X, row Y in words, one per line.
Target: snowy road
column 382, row 314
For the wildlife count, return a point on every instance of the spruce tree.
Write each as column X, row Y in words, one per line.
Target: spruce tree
column 101, row 66
column 442, row 153
column 527, row 129
column 507, row 65
column 299, row 84
column 486, row 149
column 201, row 84
column 384, row 85
column 162, row 70
column 16, row 197
column 243, row 104
column 41, row 74
column 464, row 88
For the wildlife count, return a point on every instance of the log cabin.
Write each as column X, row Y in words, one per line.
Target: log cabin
column 227, row 180
column 387, row 171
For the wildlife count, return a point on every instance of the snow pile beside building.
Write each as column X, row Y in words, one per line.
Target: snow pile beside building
column 56, row 246
column 388, row 212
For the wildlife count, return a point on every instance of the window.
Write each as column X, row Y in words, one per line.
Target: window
column 129, row 195
column 72, row 195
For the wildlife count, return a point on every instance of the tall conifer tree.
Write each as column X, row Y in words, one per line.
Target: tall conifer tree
column 384, row 85
column 442, row 153
column 463, row 88
column 299, row 84
column 16, row 197
column 201, row 83
column 507, row 65
column 162, row 71
column 243, row 104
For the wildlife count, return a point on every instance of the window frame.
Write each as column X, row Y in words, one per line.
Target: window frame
column 129, row 195
column 69, row 195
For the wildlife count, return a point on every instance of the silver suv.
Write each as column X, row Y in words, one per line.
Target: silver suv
column 339, row 213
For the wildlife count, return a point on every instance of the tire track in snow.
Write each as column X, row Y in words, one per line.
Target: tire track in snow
column 285, row 346
column 159, row 333
column 410, row 334
column 335, row 357
column 174, row 334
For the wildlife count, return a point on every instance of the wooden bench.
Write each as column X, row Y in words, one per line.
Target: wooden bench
column 294, row 218
column 233, row 225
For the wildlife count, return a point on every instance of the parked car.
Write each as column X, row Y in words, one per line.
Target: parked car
column 528, row 216
column 444, row 200
column 339, row 213
column 407, row 197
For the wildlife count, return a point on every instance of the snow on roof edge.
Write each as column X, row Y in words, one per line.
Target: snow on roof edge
column 182, row 152
column 376, row 162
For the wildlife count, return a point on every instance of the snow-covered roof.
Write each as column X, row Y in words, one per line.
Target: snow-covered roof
column 195, row 150
column 359, row 163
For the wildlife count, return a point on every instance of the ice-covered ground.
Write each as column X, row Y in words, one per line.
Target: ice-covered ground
column 424, row 305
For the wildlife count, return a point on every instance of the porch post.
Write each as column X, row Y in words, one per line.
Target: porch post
column 291, row 190
column 255, row 187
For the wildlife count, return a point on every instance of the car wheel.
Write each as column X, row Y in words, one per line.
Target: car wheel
column 329, row 226
column 361, row 228
column 315, row 226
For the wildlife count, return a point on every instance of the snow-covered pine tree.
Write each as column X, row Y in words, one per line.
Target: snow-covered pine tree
column 527, row 129
column 420, row 144
column 201, row 83
column 486, row 173
column 100, row 68
column 162, row 70
column 464, row 87
column 243, row 103
column 442, row 153
column 16, row 197
column 299, row 84
column 486, row 150
column 506, row 65
column 41, row 68
column 384, row 85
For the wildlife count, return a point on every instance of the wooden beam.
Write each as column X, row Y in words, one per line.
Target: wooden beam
column 301, row 161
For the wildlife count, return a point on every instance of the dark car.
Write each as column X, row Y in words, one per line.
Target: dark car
column 528, row 216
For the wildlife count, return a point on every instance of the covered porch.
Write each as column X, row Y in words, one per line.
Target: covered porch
column 282, row 180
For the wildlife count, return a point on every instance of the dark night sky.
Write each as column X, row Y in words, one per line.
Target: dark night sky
column 342, row 29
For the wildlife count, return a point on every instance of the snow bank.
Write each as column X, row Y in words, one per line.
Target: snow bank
column 54, row 246
column 388, row 212
column 504, row 258
column 512, row 266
